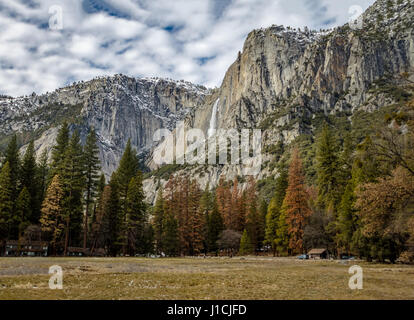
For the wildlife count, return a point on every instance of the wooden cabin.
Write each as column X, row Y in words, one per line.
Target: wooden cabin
column 318, row 254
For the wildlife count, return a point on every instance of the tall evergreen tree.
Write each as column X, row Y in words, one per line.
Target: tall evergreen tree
column 282, row 234
column 6, row 201
column 328, row 173
column 347, row 218
column 215, row 228
column 158, row 220
column 59, row 151
column 92, row 167
column 346, row 159
column 252, row 224
column 101, row 184
column 246, row 246
column 273, row 210
column 98, row 227
column 262, row 222
column 42, row 176
column 272, row 218
column 136, row 215
column 128, row 168
column 171, row 240
column 113, row 221
column 73, row 180
column 23, row 211
column 28, row 180
column 13, row 158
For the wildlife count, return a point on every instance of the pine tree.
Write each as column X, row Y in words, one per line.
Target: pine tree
column 253, row 220
column 215, row 227
column 13, row 158
column 101, row 184
column 23, row 211
column 73, row 181
column 6, row 201
column 147, row 242
column 246, row 246
column 282, row 234
column 28, row 180
column 171, row 240
column 295, row 205
column 92, row 167
column 59, row 151
column 158, row 220
column 328, row 170
column 347, row 218
column 98, row 227
column 128, row 168
column 346, row 159
column 262, row 222
column 113, row 221
column 273, row 211
column 41, row 179
column 272, row 218
column 136, row 215
column 52, row 217
column 367, row 167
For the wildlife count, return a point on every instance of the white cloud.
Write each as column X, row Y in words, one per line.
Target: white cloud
column 195, row 40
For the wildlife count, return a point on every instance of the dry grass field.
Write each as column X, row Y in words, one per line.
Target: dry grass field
column 197, row 278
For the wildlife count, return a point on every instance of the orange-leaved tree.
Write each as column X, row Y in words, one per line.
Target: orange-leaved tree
column 295, row 205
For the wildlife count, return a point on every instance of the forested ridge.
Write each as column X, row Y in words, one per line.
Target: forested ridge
column 346, row 191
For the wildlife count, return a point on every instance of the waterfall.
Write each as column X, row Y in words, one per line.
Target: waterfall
column 213, row 119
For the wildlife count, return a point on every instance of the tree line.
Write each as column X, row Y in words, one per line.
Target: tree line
column 65, row 200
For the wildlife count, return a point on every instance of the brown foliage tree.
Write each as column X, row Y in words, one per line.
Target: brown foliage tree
column 295, row 205
column 52, row 218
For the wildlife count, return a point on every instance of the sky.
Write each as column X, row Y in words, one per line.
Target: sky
column 47, row 44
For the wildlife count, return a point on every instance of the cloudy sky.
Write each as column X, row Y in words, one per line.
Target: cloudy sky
column 46, row 44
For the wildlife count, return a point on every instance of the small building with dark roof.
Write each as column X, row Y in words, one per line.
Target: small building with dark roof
column 318, row 254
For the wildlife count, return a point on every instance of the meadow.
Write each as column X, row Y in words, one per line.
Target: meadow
column 241, row 278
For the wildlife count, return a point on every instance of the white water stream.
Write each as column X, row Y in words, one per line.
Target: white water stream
column 213, row 119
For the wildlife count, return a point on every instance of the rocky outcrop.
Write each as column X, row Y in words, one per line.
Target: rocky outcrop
column 119, row 108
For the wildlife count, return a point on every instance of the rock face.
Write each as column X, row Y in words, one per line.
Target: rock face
column 304, row 72
column 119, row 108
column 281, row 80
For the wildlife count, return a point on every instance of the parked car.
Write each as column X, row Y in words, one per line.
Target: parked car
column 348, row 258
column 303, row 257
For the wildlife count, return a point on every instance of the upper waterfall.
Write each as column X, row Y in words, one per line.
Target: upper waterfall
column 213, row 120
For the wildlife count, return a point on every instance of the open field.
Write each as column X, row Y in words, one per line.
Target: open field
column 197, row 278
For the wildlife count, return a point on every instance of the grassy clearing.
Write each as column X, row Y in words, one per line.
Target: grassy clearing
column 195, row 278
